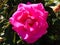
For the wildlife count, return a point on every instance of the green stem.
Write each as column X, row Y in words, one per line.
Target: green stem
column 14, row 39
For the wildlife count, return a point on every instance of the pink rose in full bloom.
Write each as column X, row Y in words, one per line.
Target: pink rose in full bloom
column 29, row 21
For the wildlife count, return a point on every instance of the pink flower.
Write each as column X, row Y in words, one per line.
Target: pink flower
column 29, row 21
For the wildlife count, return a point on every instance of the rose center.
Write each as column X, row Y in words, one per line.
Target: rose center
column 30, row 21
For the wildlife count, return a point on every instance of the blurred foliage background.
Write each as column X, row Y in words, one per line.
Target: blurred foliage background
column 9, row 37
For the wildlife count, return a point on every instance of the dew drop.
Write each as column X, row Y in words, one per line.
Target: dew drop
column 26, row 36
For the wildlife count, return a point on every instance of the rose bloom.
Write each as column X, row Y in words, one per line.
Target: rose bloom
column 29, row 21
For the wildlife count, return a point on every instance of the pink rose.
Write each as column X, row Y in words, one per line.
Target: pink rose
column 29, row 21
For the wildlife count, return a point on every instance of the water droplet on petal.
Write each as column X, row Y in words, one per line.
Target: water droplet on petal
column 39, row 16
column 36, row 23
column 26, row 36
column 31, row 29
column 32, row 17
